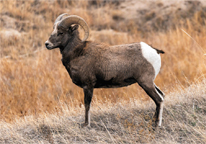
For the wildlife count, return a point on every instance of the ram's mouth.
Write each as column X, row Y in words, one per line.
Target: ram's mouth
column 49, row 48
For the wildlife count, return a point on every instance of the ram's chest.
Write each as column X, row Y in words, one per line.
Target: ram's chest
column 75, row 74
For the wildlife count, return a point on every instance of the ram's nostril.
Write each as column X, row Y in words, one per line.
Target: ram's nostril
column 46, row 44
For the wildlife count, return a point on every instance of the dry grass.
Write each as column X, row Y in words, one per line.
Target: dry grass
column 33, row 80
column 183, row 122
column 40, row 104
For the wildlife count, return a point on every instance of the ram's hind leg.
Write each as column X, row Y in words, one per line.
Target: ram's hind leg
column 157, row 96
column 161, row 94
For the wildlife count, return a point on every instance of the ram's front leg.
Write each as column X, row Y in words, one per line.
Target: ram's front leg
column 88, row 93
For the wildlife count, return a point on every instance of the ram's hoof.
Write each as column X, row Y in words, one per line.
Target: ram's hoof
column 85, row 125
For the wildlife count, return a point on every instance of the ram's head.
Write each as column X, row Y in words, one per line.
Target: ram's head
column 65, row 29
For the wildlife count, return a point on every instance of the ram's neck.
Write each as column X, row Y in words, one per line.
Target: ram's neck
column 72, row 50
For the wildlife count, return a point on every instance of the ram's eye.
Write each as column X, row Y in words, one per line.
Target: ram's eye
column 59, row 34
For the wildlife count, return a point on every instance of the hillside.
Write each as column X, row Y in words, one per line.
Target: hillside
column 183, row 122
column 39, row 102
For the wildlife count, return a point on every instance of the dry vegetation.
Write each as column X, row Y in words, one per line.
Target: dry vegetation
column 183, row 122
column 34, row 82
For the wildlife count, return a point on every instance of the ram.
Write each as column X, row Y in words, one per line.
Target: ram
column 94, row 65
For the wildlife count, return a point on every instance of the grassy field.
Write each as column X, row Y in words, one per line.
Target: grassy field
column 36, row 91
column 183, row 122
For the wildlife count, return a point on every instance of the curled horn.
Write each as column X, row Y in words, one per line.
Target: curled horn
column 73, row 19
column 60, row 17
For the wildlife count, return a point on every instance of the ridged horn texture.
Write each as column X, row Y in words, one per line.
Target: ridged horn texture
column 74, row 19
column 60, row 17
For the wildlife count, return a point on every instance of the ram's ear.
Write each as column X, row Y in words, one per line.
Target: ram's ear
column 73, row 28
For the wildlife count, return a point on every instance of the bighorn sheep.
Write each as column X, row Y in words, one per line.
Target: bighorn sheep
column 93, row 65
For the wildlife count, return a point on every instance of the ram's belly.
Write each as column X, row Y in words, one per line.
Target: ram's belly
column 114, row 83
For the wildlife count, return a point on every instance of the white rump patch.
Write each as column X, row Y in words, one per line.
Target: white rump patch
column 151, row 56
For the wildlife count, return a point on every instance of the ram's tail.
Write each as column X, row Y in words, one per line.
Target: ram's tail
column 158, row 51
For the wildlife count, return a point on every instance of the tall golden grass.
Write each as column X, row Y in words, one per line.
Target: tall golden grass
column 33, row 79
